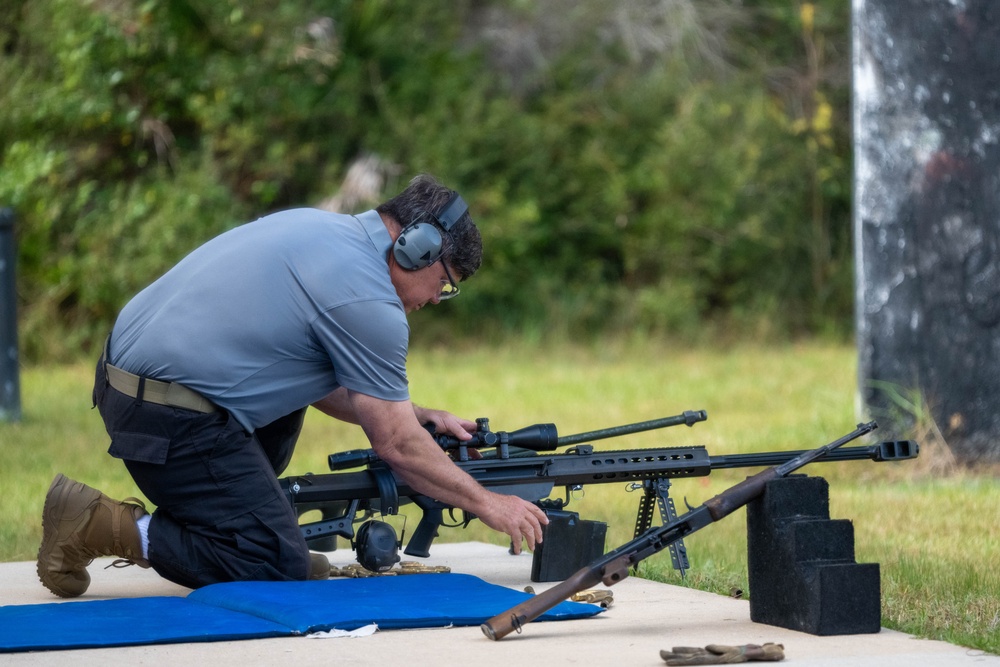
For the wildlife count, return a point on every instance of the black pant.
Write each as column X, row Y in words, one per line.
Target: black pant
column 220, row 513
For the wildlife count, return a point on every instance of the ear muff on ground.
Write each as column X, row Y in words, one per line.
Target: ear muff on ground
column 377, row 546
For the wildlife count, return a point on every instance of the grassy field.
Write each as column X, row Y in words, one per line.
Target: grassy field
column 932, row 528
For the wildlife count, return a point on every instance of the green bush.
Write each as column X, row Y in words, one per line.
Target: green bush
column 623, row 182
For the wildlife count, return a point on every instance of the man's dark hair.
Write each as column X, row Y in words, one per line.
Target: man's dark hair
column 423, row 198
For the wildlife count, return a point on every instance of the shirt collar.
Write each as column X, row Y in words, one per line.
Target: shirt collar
column 377, row 232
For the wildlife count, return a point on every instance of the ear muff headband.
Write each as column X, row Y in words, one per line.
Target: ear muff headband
column 420, row 244
column 452, row 212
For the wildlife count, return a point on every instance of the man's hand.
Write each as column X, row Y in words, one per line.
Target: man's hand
column 445, row 423
column 518, row 518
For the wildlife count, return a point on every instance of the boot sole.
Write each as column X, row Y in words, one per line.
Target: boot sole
column 59, row 493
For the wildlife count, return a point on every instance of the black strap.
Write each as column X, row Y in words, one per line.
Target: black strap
column 387, row 491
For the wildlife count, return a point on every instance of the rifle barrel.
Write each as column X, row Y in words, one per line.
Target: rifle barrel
column 808, row 456
column 737, row 496
column 890, row 450
column 688, row 418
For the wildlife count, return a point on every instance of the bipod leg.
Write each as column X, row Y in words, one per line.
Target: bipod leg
column 678, row 552
column 656, row 493
column 644, row 517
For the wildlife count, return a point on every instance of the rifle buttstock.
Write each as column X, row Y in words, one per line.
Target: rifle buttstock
column 511, row 620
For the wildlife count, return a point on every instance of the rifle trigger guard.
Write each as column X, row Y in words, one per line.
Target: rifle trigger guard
column 387, row 492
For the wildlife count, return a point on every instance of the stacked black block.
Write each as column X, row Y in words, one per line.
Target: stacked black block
column 802, row 572
column 569, row 543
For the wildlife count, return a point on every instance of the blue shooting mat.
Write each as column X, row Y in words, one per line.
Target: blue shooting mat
column 257, row 609
column 124, row 622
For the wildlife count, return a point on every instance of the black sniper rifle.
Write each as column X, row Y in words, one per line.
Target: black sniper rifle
column 613, row 566
column 518, row 466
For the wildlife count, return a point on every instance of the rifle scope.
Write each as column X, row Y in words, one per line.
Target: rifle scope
column 537, row 437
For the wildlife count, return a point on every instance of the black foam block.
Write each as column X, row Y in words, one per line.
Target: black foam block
column 569, row 543
column 802, row 572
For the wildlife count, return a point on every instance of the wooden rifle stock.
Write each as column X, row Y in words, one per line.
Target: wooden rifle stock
column 613, row 566
column 511, row 620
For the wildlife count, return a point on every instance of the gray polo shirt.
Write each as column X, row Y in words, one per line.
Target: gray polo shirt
column 274, row 315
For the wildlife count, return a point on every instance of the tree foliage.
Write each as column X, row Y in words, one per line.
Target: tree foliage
column 653, row 165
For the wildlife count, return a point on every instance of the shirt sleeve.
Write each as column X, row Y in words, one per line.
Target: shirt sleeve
column 367, row 342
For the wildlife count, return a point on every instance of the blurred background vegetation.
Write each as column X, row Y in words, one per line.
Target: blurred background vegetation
column 666, row 167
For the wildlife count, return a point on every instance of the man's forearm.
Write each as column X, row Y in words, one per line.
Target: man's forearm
column 338, row 405
column 424, row 466
column 399, row 440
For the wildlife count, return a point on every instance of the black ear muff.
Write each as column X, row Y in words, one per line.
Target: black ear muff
column 376, row 546
column 420, row 244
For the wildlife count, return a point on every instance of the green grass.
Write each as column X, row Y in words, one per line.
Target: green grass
column 933, row 534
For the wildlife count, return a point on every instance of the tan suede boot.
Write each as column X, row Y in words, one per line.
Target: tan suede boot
column 80, row 523
column 319, row 567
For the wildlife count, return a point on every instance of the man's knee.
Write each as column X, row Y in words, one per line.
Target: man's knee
column 277, row 556
column 245, row 548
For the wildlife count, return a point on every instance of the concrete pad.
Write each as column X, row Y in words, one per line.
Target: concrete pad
column 644, row 618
